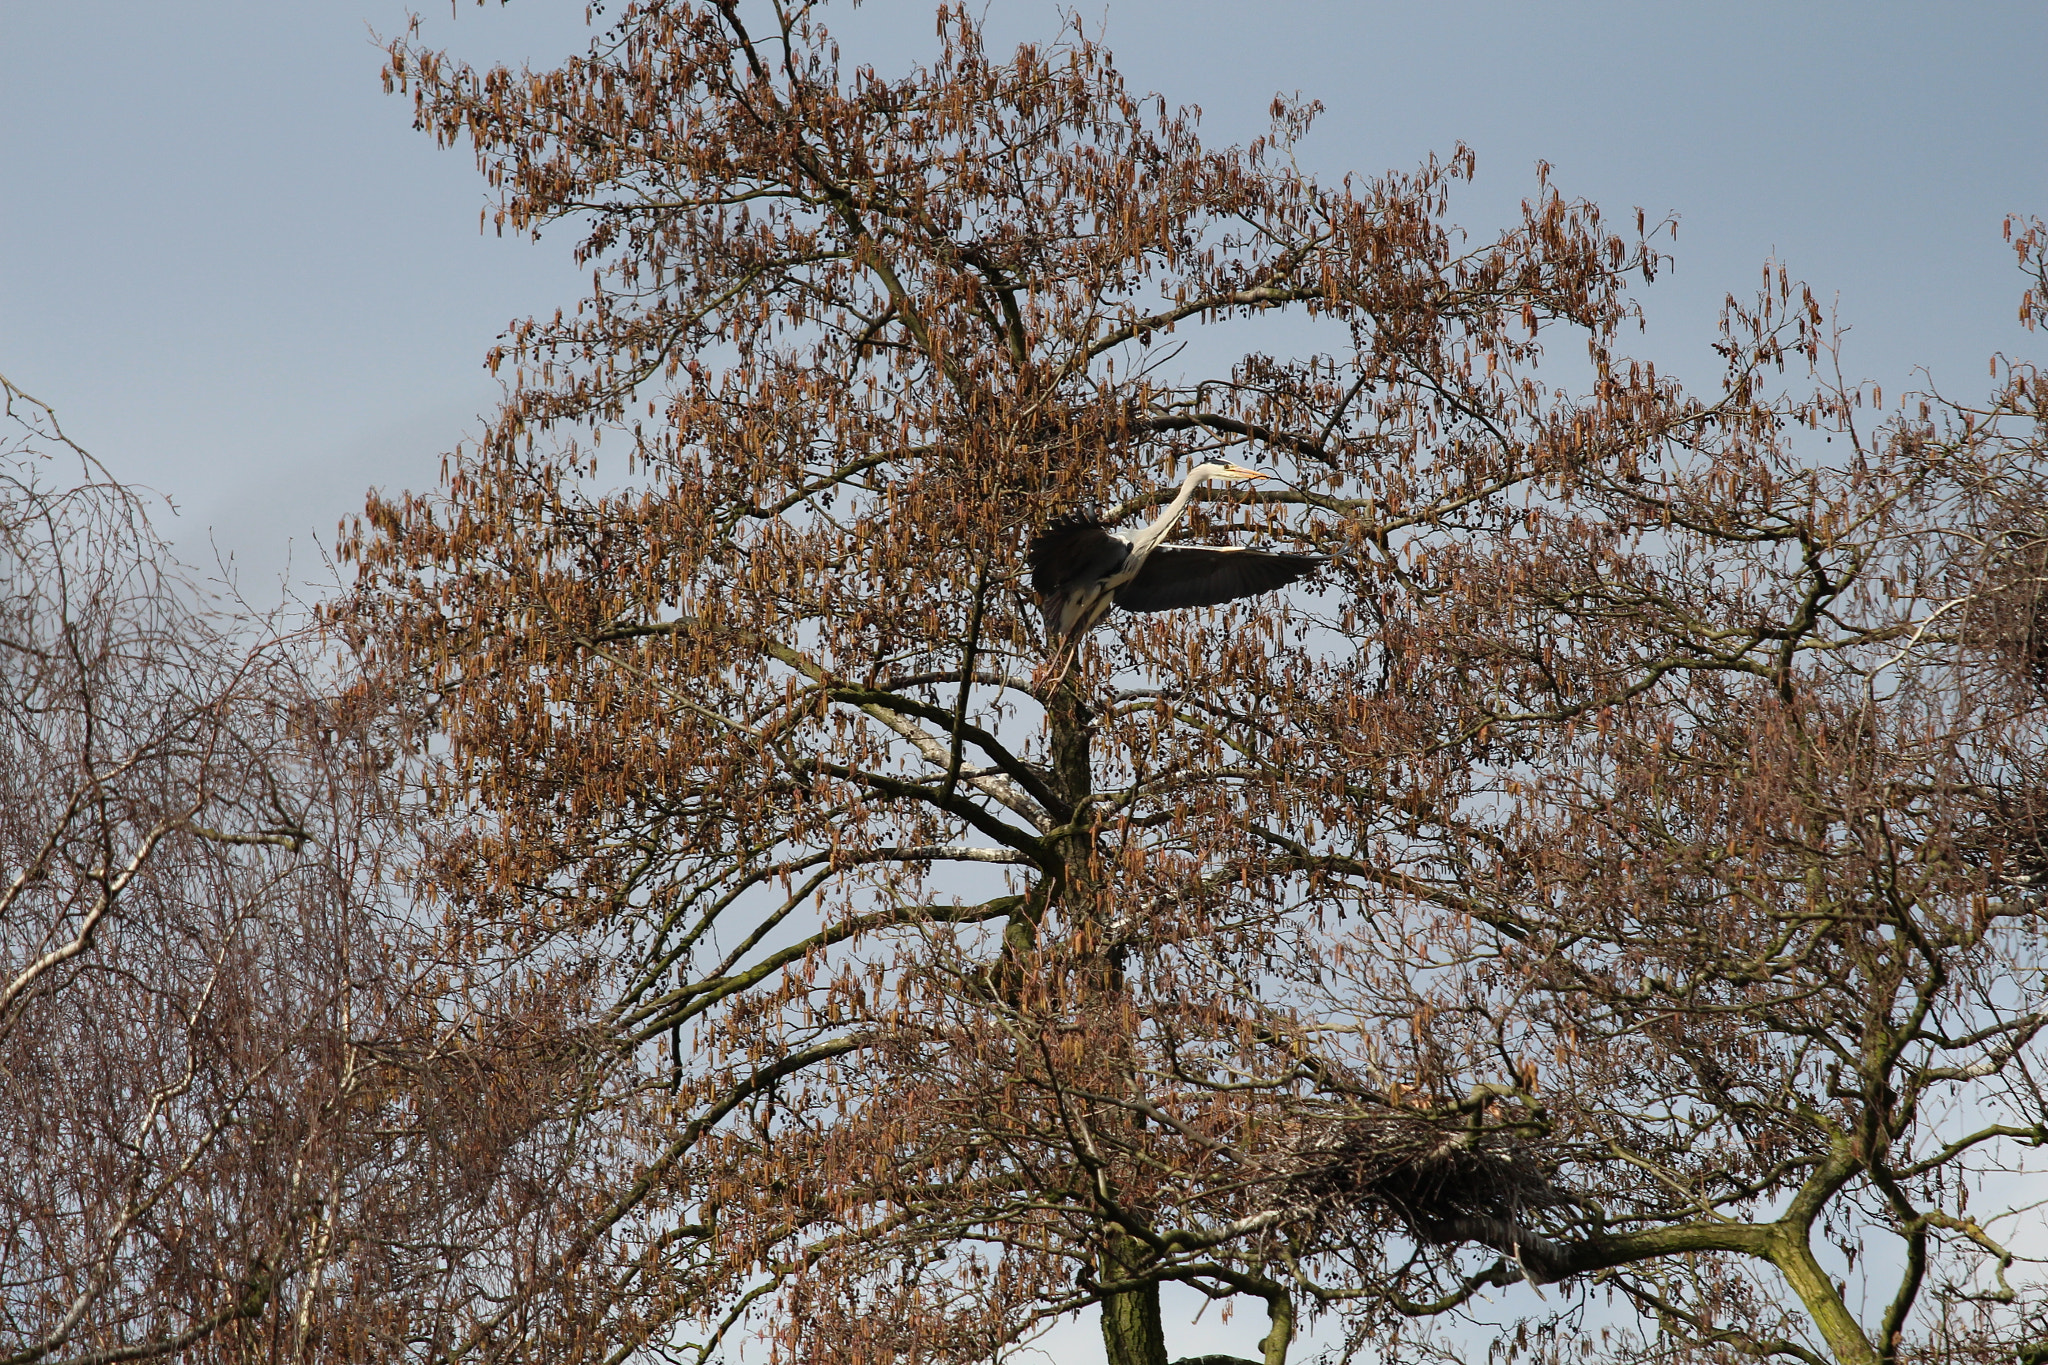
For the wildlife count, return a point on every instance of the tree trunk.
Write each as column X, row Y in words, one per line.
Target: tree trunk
column 1132, row 1333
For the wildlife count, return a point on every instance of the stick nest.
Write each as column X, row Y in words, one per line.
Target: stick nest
column 1440, row 1177
column 2008, row 610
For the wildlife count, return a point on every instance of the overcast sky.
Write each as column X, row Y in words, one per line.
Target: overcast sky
column 240, row 277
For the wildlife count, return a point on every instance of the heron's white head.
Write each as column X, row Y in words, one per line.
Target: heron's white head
column 1229, row 473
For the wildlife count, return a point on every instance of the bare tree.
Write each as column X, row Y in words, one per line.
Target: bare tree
column 202, row 968
column 1614, row 873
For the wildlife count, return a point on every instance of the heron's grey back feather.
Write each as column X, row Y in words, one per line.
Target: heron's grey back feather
column 1070, row 554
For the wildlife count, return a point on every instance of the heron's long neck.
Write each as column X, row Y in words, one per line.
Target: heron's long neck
column 1163, row 526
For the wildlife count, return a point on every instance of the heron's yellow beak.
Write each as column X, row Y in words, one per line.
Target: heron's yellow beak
column 1238, row 472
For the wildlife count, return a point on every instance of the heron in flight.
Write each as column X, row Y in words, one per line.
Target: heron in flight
column 1080, row 568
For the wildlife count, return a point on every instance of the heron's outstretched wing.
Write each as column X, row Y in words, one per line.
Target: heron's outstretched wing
column 1073, row 551
column 1201, row 576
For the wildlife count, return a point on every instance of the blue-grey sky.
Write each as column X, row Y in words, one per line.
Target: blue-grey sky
column 240, row 277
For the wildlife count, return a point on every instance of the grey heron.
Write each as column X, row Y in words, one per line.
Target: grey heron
column 1080, row 568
